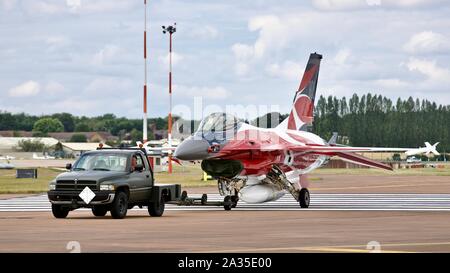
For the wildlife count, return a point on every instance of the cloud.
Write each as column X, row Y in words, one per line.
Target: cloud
column 429, row 69
column 8, row 4
column 342, row 5
column 391, row 83
column 176, row 58
column 44, row 7
column 73, row 5
column 427, row 42
column 109, row 86
column 56, row 42
column 288, row 70
column 54, row 87
column 204, row 32
column 26, row 89
column 215, row 93
column 342, row 56
column 273, row 34
column 106, row 55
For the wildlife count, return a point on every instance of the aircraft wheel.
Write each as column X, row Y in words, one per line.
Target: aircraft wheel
column 227, row 203
column 234, row 200
column 304, row 198
column 204, row 199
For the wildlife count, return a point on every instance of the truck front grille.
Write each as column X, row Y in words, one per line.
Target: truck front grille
column 79, row 185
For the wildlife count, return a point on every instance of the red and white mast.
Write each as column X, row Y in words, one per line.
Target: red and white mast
column 171, row 30
column 145, row 126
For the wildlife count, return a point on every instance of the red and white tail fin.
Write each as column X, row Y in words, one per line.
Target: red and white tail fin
column 302, row 110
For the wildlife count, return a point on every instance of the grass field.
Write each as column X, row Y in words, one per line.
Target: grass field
column 189, row 175
column 186, row 175
column 9, row 183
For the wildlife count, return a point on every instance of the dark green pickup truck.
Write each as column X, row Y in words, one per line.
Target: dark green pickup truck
column 112, row 180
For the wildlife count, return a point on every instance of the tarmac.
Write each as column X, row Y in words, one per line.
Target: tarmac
column 347, row 214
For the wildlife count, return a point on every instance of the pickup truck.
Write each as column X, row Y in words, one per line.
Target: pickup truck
column 114, row 180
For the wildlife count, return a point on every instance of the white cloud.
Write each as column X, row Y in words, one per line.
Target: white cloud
column 26, row 89
column 339, row 4
column 391, row 83
column 55, row 42
column 273, row 34
column 204, row 32
column 429, row 69
column 109, row 86
column 216, row 93
column 54, row 87
column 106, row 54
column 288, row 70
column 427, row 42
column 73, row 5
column 335, row 5
column 342, row 56
column 44, row 7
column 8, row 4
column 176, row 58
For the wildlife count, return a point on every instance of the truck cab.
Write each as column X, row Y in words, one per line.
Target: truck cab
column 110, row 180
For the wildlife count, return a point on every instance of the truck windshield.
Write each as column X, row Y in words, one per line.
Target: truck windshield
column 101, row 162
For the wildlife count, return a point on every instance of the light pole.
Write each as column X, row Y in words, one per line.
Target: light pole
column 171, row 30
column 144, row 125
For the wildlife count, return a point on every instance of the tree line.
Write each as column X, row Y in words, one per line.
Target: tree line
column 367, row 120
column 374, row 120
column 66, row 122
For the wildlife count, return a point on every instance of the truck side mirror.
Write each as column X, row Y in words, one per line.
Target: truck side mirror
column 69, row 166
column 139, row 167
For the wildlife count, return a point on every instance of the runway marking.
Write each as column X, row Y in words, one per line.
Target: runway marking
column 373, row 187
column 335, row 248
column 319, row 202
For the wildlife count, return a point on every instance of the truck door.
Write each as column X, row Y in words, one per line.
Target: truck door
column 140, row 180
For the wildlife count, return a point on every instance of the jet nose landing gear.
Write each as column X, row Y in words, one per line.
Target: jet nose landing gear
column 230, row 201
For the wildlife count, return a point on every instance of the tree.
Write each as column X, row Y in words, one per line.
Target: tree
column 46, row 125
column 82, row 127
column 136, row 135
column 31, row 145
column 67, row 120
column 78, row 138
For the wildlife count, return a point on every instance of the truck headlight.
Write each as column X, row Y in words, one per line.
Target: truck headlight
column 52, row 187
column 106, row 187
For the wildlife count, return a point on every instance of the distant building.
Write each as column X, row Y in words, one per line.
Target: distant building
column 158, row 134
column 12, row 143
column 11, row 133
column 90, row 136
column 77, row 148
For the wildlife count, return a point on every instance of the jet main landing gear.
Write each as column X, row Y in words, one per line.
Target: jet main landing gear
column 303, row 198
column 230, row 201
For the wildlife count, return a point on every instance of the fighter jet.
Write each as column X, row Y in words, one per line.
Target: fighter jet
column 259, row 165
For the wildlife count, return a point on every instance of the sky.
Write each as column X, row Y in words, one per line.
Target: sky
column 86, row 57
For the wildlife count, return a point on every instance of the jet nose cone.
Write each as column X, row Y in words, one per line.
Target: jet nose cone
column 192, row 149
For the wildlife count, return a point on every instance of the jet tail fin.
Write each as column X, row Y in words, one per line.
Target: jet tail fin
column 301, row 114
column 432, row 149
column 333, row 139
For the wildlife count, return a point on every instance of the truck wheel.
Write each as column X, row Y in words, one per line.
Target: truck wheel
column 119, row 206
column 99, row 210
column 59, row 211
column 157, row 209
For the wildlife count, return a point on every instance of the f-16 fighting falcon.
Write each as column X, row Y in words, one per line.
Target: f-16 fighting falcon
column 260, row 165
